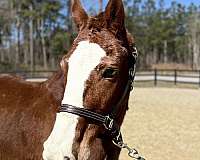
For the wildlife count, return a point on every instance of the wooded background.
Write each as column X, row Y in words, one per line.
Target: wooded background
column 34, row 34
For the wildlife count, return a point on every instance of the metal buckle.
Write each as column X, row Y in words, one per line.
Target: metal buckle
column 135, row 52
column 118, row 141
column 109, row 123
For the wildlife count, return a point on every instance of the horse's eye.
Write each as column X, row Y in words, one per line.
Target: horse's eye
column 109, row 73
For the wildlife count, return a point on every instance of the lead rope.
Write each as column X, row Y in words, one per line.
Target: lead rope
column 132, row 152
column 118, row 140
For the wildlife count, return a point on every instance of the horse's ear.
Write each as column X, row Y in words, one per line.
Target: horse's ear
column 79, row 15
column 114, row 15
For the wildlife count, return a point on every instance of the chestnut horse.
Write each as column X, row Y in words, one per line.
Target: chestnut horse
column 93, row 76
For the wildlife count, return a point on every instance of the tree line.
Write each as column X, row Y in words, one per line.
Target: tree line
column 165, row 35
column 34, row 34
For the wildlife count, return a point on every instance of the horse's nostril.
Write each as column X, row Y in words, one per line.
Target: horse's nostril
column 66, row 158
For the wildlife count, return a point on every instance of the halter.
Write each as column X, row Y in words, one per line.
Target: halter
column 108, row 120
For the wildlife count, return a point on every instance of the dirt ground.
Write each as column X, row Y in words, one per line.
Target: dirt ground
column 163, row 124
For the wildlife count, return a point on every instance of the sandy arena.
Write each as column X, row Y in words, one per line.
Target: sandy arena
column 163, row 124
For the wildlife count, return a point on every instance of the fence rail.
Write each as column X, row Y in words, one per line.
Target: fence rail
column 175, row 76
column 156, row 75
column 40, row 74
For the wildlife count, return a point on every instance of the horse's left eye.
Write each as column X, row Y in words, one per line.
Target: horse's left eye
column 109, row 73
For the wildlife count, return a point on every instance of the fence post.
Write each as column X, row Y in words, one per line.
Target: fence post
column 155, row 77
column 175, row 76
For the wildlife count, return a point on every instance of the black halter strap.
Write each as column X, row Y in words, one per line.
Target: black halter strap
column 127, row 89
column 107, row 121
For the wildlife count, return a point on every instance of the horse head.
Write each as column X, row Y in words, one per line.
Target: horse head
column 96, row 73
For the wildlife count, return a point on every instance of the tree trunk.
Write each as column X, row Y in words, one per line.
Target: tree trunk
column 194, row 38
column 165, row 52
column 53, row 64
column 25, row 52
column 43, row 45
column 18, row 43
column 195, row 46
column 189, row 56
column 155, row 54
column 68, row 20
column 195, row 54
column 9, row 50
column 31, row 39
column 2, row 58
column 10, row 54
column 100, row 6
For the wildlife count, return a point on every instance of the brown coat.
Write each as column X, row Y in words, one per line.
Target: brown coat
column 27, row 115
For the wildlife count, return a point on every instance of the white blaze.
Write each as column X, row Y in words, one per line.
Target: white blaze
column 84, row 59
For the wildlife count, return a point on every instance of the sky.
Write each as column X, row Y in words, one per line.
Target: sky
column 186, row 2
column 167, row 2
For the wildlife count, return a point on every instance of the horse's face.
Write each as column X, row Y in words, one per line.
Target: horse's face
column 96, row 71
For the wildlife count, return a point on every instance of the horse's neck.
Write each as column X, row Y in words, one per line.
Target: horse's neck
column 56, row 86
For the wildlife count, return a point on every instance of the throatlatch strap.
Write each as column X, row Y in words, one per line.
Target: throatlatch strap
column 82, row 112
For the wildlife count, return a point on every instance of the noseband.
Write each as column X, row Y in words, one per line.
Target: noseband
column 108, row 120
